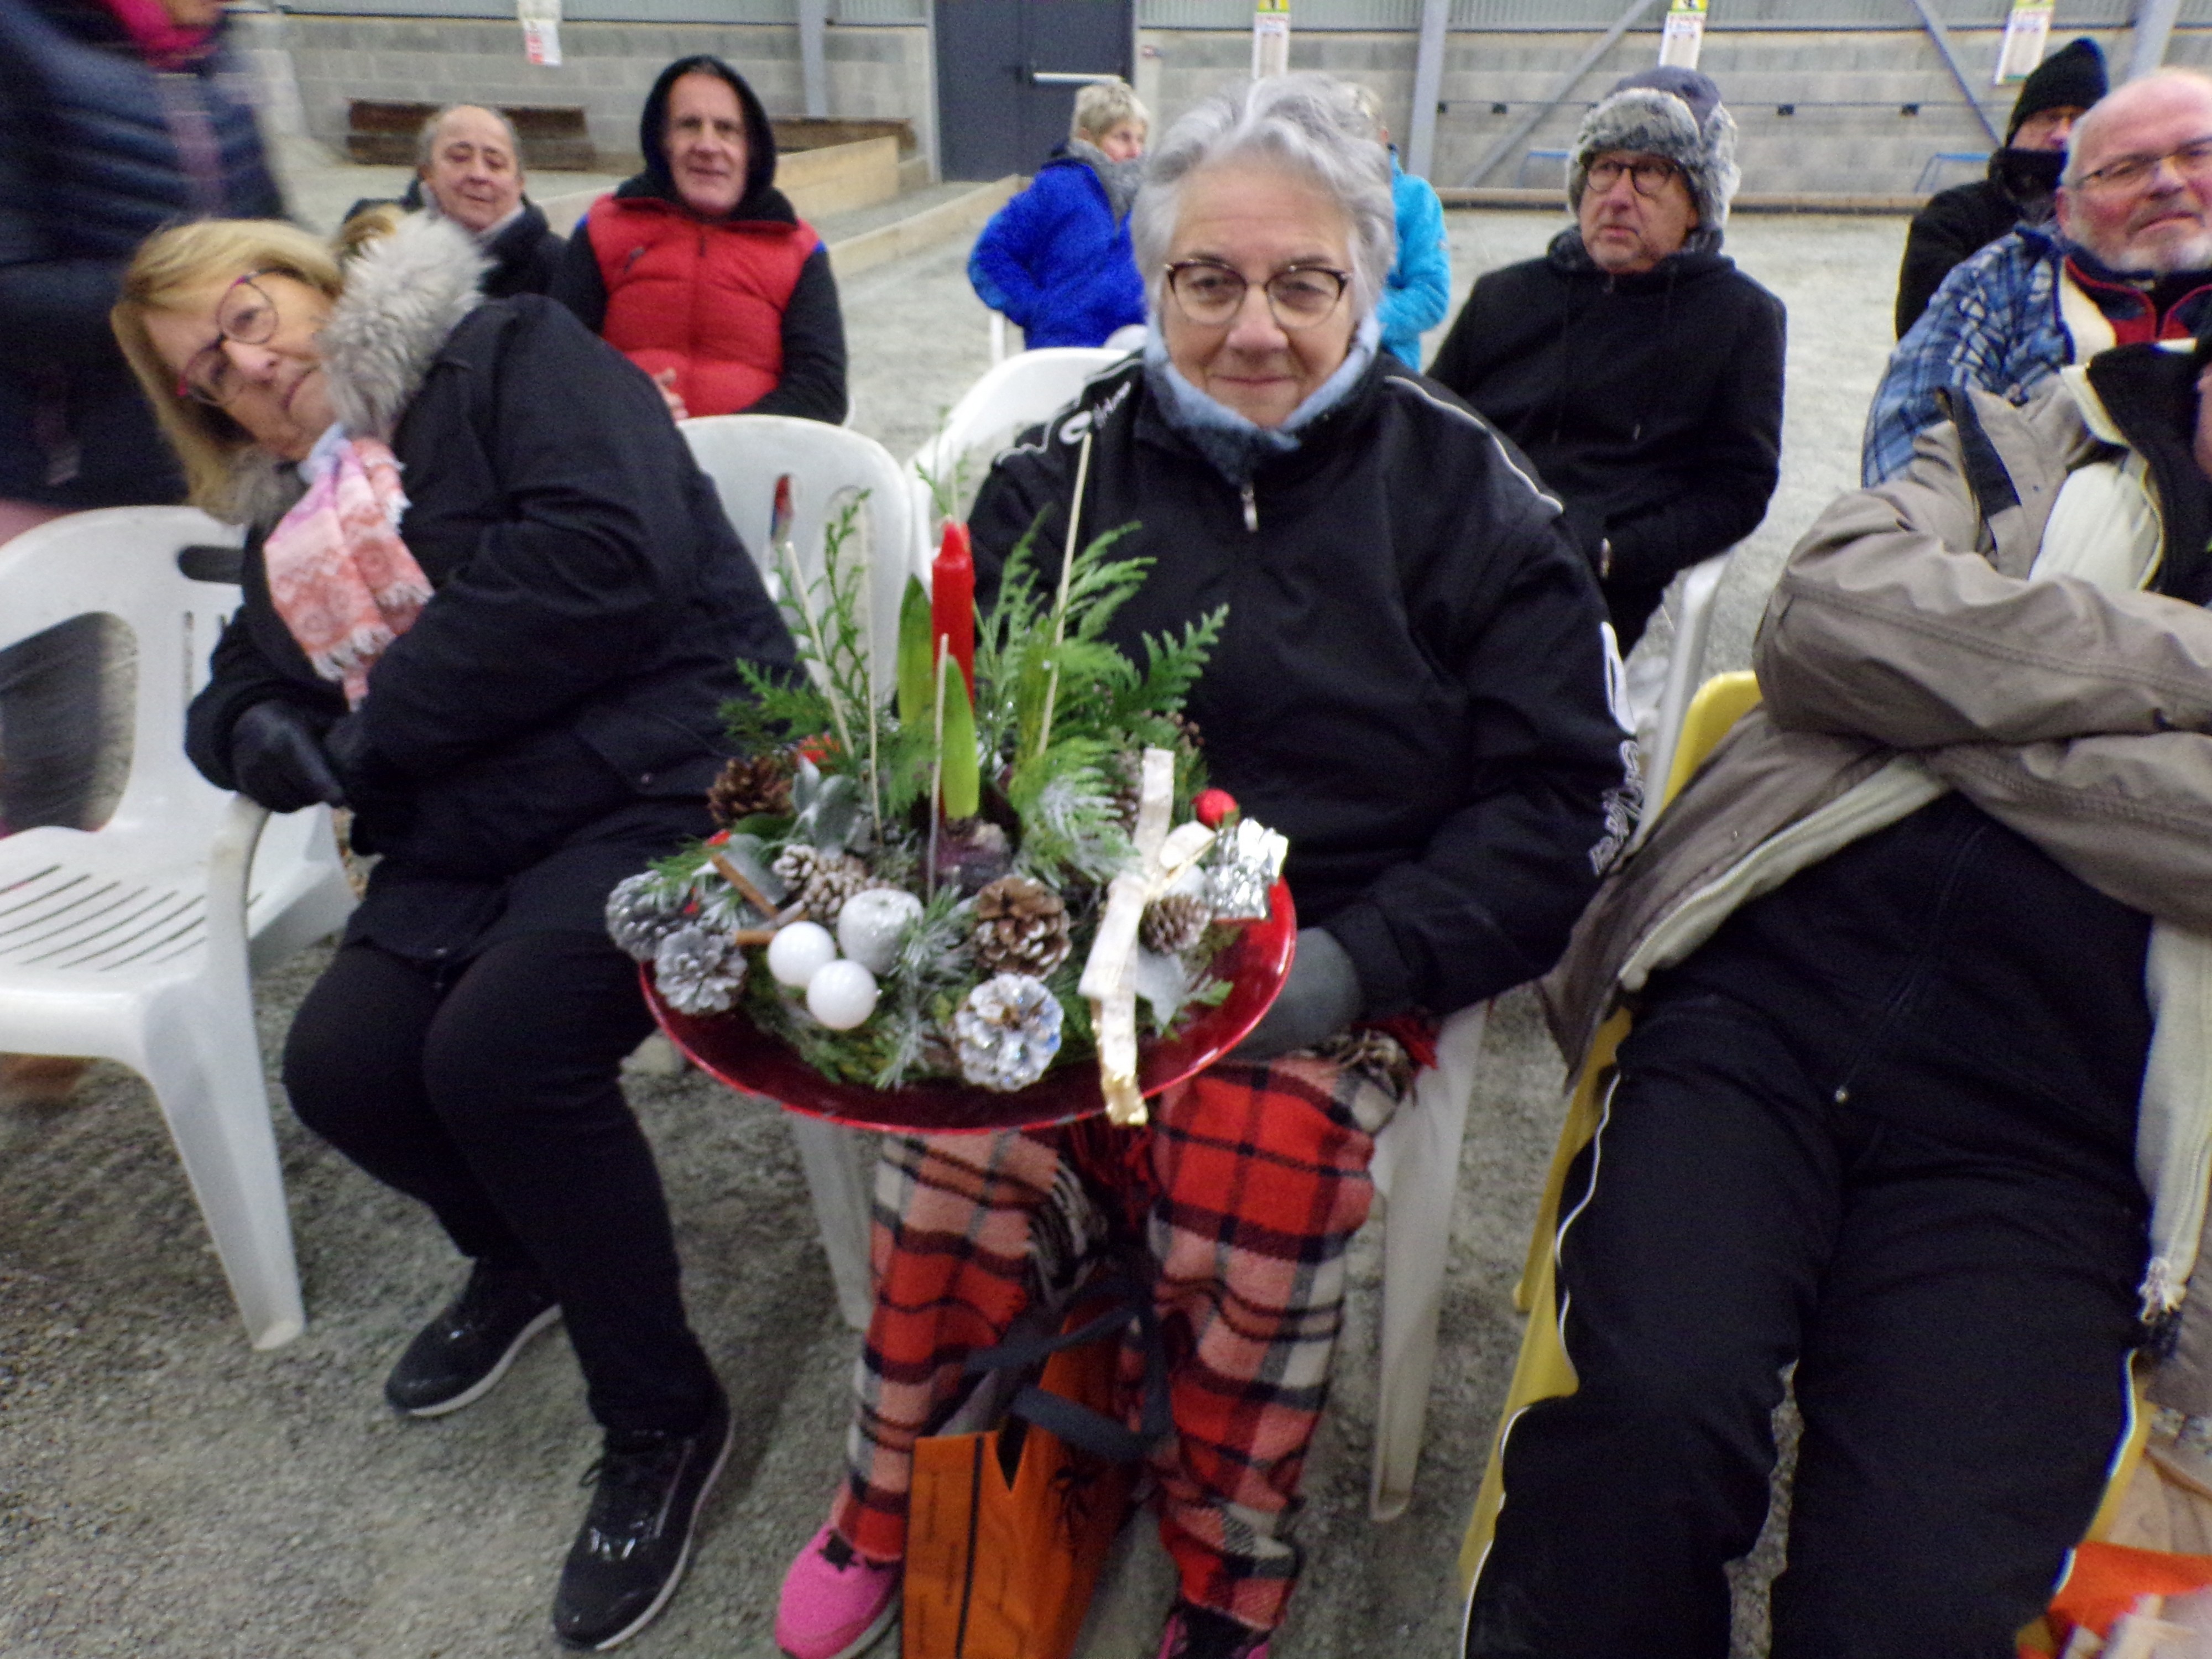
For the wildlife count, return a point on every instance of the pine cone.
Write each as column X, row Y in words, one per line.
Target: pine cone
column 750, row 784
column 1187, row 728
column 641, row 911
column 822, row 881
column 1173, row 922
column 1007, row 1032
column 1021, row 927
column 1124, row 775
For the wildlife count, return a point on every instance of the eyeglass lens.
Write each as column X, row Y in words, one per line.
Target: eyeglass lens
column 2191, row 161
column 1649, row 178
column 247, row 315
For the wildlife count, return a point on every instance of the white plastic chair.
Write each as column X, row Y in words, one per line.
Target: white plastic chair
column 1012, row 396
column 130, row 942
column 745, row 455
column 1692, row 610
column 1416, row 1169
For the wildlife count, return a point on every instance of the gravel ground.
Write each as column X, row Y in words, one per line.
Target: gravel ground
column 166, row 1494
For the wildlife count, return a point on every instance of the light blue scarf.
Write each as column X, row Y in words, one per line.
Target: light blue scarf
column 1236, row 446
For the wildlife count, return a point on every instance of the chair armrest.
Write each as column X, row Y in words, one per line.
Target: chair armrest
column 230, row 865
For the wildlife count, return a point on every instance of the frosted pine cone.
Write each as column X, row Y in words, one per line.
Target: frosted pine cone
column 751, row 784
column 1007, row 1032
column 641, row 912
column 699, row 971
column 822, row 881
column 1125, row 785
column 1021, row 927
column 1173, row 922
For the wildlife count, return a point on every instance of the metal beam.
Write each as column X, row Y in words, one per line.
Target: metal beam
column 1428, row 81
column 1527, row 125
column 1942, row 37
column 813, row 56
column 2153, row 25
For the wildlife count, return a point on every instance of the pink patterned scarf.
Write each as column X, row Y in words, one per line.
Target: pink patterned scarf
column 338, row 575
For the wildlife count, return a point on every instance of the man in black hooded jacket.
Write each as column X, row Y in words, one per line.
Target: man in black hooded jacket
column 2022, row 182
column 1638, row 368
column 698, row 271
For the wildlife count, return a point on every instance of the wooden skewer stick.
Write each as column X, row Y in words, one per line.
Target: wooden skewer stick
column 1059, row 604
column 736, row 878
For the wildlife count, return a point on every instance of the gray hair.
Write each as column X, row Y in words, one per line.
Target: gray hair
column 1306, row 124
column 2117, row 102
column 1104, row 105
column 426, row 142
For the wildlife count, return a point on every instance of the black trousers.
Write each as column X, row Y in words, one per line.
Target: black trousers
column 491, row 1093
column 1959, row 1318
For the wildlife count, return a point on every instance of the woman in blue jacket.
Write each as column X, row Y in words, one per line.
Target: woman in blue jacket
column 1055, row 259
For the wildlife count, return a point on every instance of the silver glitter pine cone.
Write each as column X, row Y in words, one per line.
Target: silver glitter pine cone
column 641, row 912
column 699, row 971
column 1007, row 1032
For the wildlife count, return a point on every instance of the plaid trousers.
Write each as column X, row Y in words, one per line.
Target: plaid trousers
column 1251, row 1181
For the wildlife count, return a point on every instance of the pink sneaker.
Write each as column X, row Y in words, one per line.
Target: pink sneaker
column 1198, row 1633
column 835, row 1603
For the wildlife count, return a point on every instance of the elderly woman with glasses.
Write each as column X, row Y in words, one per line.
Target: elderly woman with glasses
column 492, row 606
column 1412, row 686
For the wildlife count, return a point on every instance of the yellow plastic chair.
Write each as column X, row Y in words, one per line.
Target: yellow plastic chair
column 1543, row 1370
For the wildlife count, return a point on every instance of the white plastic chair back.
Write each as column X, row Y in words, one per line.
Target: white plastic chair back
column 1012, row 396
column 828, row 466
column 128, row 943
column 1692, row 607
column 1416, row 1169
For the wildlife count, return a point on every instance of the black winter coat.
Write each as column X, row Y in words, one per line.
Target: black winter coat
column 1958, row 223
column 1411, row 682
column 557, row 704
column 1652, row 404
column 97, row 152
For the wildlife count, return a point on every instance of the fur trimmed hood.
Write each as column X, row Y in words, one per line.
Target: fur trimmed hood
column 1669, row 112
column 404, row 293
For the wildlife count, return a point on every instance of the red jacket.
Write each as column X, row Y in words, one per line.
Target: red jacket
column 704, row 298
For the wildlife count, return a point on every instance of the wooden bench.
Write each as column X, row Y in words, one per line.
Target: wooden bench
column 383, row 132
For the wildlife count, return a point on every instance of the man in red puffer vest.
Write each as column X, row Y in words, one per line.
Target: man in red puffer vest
column 698, row 270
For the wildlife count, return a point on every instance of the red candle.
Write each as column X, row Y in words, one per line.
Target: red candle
column 952, row 601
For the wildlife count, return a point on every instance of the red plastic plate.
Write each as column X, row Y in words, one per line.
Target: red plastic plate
column 731, row 1047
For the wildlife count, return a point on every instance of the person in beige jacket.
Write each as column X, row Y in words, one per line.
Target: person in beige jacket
column 1918, row 1097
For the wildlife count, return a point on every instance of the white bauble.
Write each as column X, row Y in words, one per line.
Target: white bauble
column 873, row 923
column 798, row 951
column 841, row 995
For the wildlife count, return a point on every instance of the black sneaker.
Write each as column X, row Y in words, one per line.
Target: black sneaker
column 460, row 1354
column 629, row 1556
column 1194, row 1632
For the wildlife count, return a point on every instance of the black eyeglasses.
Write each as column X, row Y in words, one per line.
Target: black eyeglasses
column 2192, row 161
column 1298, row 296
column 246, row 313
column 1647, row 174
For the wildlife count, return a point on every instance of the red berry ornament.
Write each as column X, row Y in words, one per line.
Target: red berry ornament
column 1212, row 805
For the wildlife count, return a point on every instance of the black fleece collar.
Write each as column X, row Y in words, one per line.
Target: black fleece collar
column 2151, row 394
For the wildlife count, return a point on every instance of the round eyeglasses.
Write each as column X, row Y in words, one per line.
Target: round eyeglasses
column 1647, row 174
column 246, row 314
column 1210, row 293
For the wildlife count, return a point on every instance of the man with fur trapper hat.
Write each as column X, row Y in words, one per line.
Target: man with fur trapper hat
column 1637, row 367
column 2022, row 181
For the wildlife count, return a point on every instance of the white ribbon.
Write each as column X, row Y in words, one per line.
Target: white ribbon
column 1108, row 980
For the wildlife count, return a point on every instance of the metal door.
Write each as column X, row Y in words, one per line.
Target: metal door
column 1007, row 72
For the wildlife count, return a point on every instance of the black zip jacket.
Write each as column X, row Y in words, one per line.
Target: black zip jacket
column 590, row 599
column 1651, row 404
column 524, row 256
column 1411, row 682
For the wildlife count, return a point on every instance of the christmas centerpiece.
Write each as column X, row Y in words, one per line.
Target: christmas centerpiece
column 994, row 891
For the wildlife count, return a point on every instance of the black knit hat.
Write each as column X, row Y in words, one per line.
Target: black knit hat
column 2070, row 78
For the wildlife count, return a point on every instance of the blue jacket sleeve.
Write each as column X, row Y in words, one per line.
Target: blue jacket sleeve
column 1002, row 268
column 1418, row 293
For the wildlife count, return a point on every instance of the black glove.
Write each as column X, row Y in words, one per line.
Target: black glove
column 1320, row 999
column 347, row 744
column 278, row 760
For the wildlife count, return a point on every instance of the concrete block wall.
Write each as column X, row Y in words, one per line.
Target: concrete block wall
column 1873, row 149
column 607, row 69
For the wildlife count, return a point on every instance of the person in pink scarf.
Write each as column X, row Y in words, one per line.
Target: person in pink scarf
column 492, row 606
